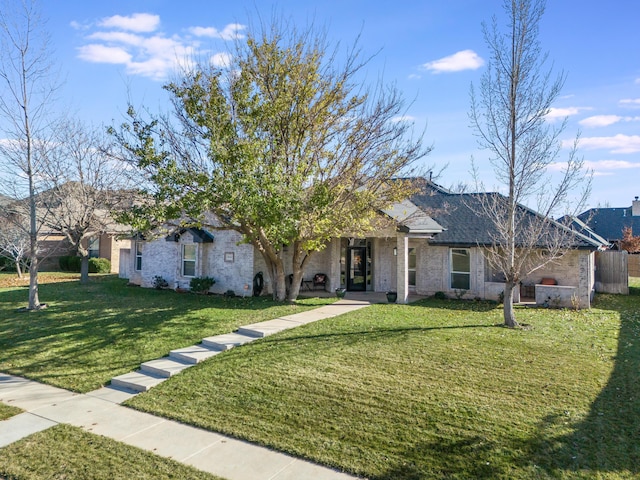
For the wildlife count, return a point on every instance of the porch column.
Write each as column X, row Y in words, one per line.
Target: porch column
column 402, row 267
column 334, row 265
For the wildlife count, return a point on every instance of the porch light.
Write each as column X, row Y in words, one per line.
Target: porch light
column 395, row 251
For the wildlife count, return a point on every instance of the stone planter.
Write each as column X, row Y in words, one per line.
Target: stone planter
column 392, row 297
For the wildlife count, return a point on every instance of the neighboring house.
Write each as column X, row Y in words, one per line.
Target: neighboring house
column 431, row 243
column 53, row 244
column 610, row 222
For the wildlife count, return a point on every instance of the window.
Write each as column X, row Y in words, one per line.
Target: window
column 138, row 256
column 460, row 269
column 412, row 259
column 94, row 247
column 189, row 260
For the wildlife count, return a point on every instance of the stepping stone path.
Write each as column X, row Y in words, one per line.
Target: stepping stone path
column 155, row 372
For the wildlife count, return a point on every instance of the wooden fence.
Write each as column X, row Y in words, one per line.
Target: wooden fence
column 634, row 265
column 612, row 272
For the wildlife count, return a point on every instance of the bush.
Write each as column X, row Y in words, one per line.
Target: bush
column 440, row 296
column 201, row 284
column 159, row 282
column 99, row 265
column 69, row 263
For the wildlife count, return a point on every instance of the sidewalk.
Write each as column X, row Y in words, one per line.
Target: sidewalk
column 100, row 412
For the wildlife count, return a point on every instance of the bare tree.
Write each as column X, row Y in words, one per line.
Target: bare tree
column 28, row 86
column 14, row 244
column 85, row 186
column 508, row 116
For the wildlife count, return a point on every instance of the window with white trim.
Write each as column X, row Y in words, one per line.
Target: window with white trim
column 460, row 268
column 138, row 256
column 189, row 260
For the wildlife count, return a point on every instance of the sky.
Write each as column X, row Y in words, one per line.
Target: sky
column 115, row 52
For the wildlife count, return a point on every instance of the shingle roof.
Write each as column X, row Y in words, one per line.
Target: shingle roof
column 464, row 226
column 609, row 222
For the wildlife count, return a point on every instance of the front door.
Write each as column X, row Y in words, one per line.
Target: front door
column 357, row 268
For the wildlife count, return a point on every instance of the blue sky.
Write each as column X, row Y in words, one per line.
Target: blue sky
column 432, row 50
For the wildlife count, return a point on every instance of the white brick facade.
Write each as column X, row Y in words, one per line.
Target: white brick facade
column 233, row 265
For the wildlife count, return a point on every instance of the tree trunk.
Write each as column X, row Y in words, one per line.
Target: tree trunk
column 18, row 269
column 34, row 301
column 509, row 314
column 275, row 270
column 84, row 269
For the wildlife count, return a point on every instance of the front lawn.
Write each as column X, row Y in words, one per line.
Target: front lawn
column 65, row 452
column 433, row 390
column 91, row 333
column 7, row 411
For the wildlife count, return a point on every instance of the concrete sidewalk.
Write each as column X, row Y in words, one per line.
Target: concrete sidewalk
column 100, row 412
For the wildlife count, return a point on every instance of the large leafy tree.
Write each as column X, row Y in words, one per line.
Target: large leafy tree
column 285, row 146
column 508, row 114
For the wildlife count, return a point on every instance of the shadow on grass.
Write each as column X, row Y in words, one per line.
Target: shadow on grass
column 106, row 326
column 607, row 440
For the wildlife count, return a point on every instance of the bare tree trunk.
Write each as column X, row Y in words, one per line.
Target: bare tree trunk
column 18, row 269
column 509, row 315
column 84, row 269
column 34, row 301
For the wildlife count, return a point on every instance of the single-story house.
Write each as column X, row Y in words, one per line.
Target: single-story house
column 435, row 242
column 609, row 223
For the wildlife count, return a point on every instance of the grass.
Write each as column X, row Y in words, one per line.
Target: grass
column 91, row 333
column 65, row 452
column 433, row 390
column 7, row 411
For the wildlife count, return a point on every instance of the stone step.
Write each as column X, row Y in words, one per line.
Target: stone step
column 164, row 367
column 137, row 381
column 193, row 354
column 227, row 341
column 263, row 329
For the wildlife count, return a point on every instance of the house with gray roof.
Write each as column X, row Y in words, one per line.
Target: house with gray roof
column 609, row 223
column 433, row 242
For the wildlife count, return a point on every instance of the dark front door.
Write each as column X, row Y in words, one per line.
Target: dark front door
column 357, row 268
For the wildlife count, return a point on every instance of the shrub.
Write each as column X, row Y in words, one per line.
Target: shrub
column 440, row 296
column 201, row 284
column 99, row 265
column 159, row 282
column 69, row 263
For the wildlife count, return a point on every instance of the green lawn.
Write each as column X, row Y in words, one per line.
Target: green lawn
column 429, row 390
column 7, row 411
column 65, row 452
column 91, row 333
column 433, row 390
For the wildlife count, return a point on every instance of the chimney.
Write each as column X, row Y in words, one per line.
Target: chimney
column 635, row 208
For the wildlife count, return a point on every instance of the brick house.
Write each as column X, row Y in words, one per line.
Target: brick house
column 431, row 243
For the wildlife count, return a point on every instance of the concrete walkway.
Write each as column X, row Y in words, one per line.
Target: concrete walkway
column 100, row 412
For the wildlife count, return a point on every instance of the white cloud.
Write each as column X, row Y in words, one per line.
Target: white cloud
column 630, row 102
column 414, row 76
column 616, row 144
column 600, row 120
column 133, row 42
column 606, row 120
column 138, row 22
column 221, row 60
column 637, row 81
column 404, row 118
column 463, row 60
column 230, row 32
column 561, row 113
column 96, row 53
column 610, row 165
